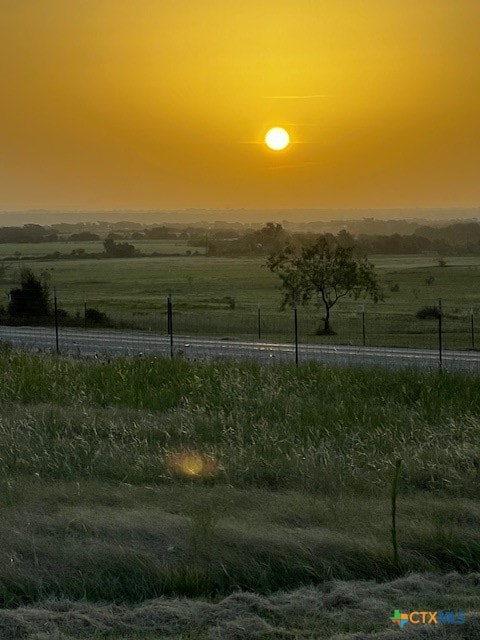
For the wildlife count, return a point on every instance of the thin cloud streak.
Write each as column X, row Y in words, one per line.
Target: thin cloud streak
column 300, row 97
column 262, row 142
column 296, row 165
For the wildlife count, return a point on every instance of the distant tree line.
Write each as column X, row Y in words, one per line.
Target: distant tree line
column 83, row 236
column 28, row 233
column 237, row 240
column 452, row 239
column 271, row 237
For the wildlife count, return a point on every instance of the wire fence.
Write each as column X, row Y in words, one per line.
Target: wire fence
column 363, row 336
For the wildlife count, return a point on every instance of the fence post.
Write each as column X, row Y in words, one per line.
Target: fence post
column 170, row 322
column 169, row 327
column 259, row 321
column 363, row 325
column 55, row 308
column 440, row 314
column 472, row 327
column 295, row 321
column 85, row 312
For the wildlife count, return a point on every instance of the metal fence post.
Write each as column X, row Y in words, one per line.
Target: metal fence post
column 170, row 322
column 440, row 314
column 85, row 312
column 169, row 328
column 472, row 328
column 363, row 325
column 55, row 308
column 295, row 320
column 259, row 322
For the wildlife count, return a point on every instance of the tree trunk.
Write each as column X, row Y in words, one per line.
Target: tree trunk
column 326, row 320
column 325, row 328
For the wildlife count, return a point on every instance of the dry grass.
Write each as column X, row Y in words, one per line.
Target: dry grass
column 335, row 610
column 284, row 485
column 121, row 543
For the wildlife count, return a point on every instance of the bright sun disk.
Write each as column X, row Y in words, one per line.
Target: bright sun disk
column 277, row 139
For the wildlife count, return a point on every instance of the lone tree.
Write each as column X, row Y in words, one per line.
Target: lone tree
column 32, row 299
column 327, row 269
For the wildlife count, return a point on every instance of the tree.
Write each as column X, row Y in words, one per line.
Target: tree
column 119, row 250
column 84, row 236
column 32, row 299
column 327, row 269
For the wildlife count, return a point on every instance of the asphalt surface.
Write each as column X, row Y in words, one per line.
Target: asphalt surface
column 111, row 343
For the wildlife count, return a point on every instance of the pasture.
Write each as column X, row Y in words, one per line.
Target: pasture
column 13, row 251
column 126, row 481
column 133, row 293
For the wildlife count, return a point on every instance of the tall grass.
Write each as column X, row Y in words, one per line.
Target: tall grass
column 316, row 428
column 127, row 479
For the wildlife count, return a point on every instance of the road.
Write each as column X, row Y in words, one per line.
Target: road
column 110, row 343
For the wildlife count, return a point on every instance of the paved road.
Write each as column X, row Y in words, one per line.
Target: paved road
column 113, row 343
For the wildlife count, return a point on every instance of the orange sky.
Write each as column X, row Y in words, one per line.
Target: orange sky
column 164, row 103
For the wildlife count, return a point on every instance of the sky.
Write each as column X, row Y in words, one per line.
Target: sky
column 148, row 104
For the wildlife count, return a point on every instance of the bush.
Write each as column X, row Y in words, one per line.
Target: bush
column 31, row 299
column 426, row 313
column 97, row 318
column 229, row 301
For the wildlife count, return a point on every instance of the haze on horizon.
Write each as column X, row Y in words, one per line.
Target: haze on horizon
column 164, row 105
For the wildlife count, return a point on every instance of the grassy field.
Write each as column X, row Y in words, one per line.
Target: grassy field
column 16, row 250
column 133, row 292
column 141, row 494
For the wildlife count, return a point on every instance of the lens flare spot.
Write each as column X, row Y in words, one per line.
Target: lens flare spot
column 189, row 464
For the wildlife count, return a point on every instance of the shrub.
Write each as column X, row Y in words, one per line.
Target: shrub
column 31, row 299
column 229, row 301
column 427, row 312
column 97, row 318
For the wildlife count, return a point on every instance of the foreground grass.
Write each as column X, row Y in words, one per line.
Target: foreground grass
column 340, row 610
column 133, row 480
column 316, row 429
column 99, row 542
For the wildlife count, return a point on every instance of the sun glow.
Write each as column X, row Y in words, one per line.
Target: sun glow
column 277, row 139
column 190, row 464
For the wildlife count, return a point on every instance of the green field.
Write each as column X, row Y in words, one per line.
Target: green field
column 130, row 480
column 18, row 250
column 133, row 292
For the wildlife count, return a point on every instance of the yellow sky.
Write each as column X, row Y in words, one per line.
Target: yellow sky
column 164, row 103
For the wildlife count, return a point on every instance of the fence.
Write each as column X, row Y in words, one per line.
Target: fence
column 363, row 333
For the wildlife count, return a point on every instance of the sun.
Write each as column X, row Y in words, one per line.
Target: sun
column 277, row 139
